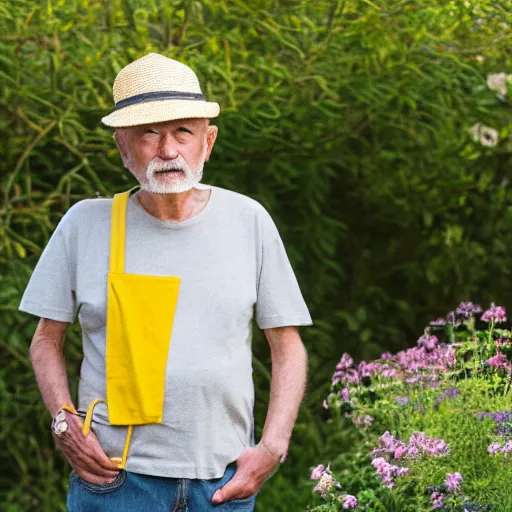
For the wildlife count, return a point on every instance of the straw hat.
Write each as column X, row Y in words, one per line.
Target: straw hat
column 155, row 88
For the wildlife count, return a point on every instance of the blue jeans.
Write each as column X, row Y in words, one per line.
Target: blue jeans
column 133, row 492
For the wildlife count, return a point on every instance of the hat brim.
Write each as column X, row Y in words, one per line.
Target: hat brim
column 160, row 111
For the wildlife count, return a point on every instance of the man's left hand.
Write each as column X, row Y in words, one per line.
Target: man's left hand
column 252, row 468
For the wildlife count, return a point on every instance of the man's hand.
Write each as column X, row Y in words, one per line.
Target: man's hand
column 85, row 453
column 252, row 469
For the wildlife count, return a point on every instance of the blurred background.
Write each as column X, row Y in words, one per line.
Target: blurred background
column 377, row 134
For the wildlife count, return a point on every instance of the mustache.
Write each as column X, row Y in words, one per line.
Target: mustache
column 178, row 163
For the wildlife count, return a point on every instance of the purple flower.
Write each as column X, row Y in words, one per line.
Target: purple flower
column 428, row 341
column 389, row 373
column 507, row 448
column 439, row 322
column 495, row 314
column 349, row 376
column 388, row 472
column 317, row 473
column 345, row 395
column 498, row 361
column 453, row 481
column 345, row 362
column 451, row 392
column 402, row 400
column 368, row 369
column 388, row 445
column 450, row 357
column 468, row 309
column 427, row 445
column 362, row 421
column 497, row 417
column 349, row 501
column 494, row 447
column 437, row 500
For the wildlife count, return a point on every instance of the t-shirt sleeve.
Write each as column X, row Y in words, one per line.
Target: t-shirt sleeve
column 279, row 300
column 50, row 292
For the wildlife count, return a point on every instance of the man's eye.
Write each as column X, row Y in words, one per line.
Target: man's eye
column 150, row 130
column 183, row 129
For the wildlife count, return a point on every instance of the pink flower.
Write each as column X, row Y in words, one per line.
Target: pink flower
column 494, row 447
column 498, row 361
column 427, row 445
column 317, row 473
column 349, row 501
column 388, row 445
column 495, row 314
column 326, row 483
column 400, row 451
column 345, row 395
column 453, row 481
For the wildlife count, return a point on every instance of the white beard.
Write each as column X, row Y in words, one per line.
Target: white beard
column 181, row 182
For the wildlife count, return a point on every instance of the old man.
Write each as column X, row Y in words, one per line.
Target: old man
column 166, row 279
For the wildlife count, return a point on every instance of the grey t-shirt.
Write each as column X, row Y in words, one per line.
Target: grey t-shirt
column 233, row 266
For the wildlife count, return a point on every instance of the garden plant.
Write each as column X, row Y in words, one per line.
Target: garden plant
column 432, row 424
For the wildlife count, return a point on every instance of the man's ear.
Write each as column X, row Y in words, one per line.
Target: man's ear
column 211, row 136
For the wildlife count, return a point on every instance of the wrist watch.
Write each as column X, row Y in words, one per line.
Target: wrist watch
column 59, row 423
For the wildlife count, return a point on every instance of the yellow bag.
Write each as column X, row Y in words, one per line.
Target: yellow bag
column 140, row 315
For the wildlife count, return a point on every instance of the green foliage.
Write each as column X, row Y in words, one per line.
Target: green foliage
column 347, row 119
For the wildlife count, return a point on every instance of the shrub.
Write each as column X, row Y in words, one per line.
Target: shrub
column 349, row 120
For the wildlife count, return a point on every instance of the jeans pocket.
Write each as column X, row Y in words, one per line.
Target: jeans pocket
column 101, row 488
column 241, row 505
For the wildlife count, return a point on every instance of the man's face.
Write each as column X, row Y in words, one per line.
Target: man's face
column 167, row 158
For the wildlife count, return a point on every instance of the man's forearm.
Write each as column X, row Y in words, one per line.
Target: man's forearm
column 289, row 373
column 46, row 354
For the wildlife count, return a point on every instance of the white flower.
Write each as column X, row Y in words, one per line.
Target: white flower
column 498, row 82
column 486, row 136
column 325, row 484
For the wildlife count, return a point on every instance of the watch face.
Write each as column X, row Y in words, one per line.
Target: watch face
column 61, row 416
column 60, row 425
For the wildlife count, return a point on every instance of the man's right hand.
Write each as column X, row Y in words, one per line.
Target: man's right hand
column 85, row 453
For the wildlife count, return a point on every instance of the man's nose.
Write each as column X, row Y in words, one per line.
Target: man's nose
column 167, row 149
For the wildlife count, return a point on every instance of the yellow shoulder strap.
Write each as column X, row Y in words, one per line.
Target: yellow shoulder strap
column 117, row 247
column 117, row 232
